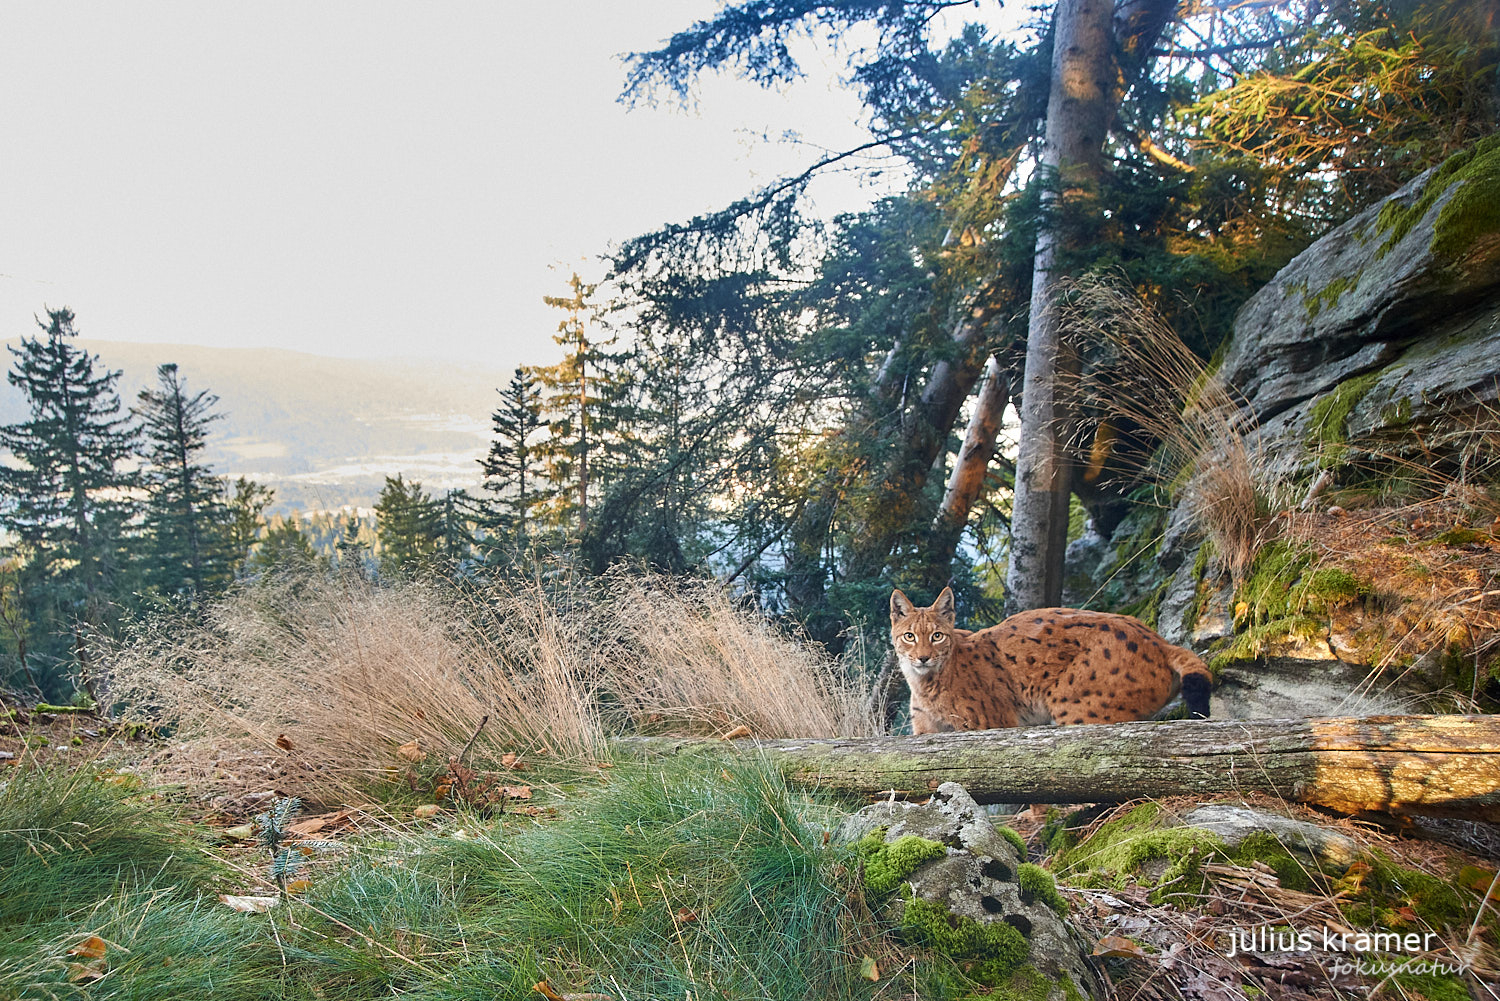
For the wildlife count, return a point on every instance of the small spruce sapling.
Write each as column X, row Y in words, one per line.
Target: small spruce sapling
column 273, row 830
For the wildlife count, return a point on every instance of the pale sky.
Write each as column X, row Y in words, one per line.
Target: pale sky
column 358, row 178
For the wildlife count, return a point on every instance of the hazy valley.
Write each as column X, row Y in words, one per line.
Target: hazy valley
column 324, row 432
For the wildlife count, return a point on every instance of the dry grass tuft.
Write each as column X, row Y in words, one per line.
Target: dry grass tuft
column 1433, row 582
column 341, row 673
column 697, row 663
column 1176, row 424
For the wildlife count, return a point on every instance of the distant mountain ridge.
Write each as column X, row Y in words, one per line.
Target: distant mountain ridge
column 324, row 432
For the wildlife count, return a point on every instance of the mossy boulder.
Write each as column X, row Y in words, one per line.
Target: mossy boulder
column 958, row 886
column 1329, row 342
column 1236, row 825
column 1355, row 363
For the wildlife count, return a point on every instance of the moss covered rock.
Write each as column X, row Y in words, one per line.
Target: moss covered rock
column 963, row 889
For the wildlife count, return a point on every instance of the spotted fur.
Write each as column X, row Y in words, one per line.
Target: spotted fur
column 1051, row 665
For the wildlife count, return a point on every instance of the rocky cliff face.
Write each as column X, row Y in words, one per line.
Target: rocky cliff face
column 1369, row 370
column 1395, row 315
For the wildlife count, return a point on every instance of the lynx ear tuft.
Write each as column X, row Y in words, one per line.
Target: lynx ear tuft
column 944, row 606
column 901, row 605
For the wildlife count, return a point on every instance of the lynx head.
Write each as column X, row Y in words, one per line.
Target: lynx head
column 923, row 637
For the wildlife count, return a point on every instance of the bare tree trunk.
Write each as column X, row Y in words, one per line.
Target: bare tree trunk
column 967, row 479
column 906, row 474
column 1078, row 111
column 1438, row 766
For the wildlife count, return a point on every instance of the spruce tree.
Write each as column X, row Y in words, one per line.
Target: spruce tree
column 409, row 525
column 185, row 513
column 68, row 498
column 459, row 513
column 350, row 555
column 511, row 470
column 245, row 510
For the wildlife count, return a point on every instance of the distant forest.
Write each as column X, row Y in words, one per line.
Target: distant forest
column 812, row 410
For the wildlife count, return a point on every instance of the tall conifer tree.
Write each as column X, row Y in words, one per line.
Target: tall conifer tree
column 186, row 518
column 580, row 395
column 68, row 501
column 511, row 469
column 246, row 517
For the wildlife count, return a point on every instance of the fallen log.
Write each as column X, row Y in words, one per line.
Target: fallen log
column 1440, row 766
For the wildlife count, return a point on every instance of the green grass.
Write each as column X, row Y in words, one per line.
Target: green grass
column 70, row 838
column 662, row 881
column 81, row 856
column 668, row 881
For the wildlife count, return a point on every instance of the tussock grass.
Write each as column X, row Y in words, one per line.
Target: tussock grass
column 348, row 671
column 81, row 856
column 697, row 663
column 71, row 837
column 674, row 879
column 685, row 877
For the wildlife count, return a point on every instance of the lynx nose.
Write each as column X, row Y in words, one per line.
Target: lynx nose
column 924, row 661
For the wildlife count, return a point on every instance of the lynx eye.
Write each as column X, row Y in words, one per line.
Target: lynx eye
column 938, row 637
column 910, row 637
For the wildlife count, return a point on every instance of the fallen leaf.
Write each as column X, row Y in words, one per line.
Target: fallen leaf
column 249, row 905
column 738, row 732
column 512, row 761
column 868, row 970
column 410, row 751
column 298, row 885
column 79, row 973
column 283, row 742
column 426, row 811
column 312, row 825
column 1353, row 881
column 1113, row 946
column 516, row 792
column 92, row 947
column 545, row 990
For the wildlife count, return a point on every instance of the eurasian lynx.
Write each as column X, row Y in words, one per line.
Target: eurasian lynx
column 1051, row 665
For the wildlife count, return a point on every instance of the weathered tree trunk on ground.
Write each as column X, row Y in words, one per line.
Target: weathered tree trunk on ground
column 1439, row 766
column 1078, row 112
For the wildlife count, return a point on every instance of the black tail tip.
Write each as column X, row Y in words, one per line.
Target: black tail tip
column 1195, row 689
